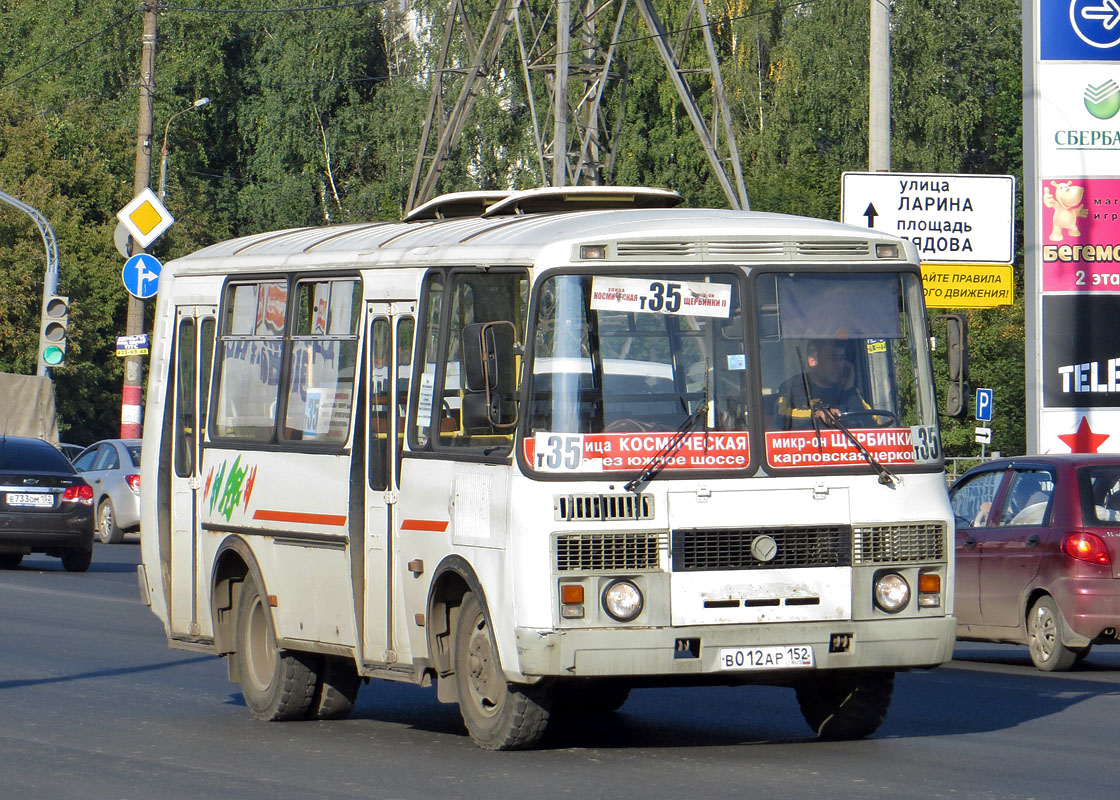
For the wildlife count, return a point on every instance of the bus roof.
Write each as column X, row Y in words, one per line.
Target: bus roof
column 679, row 235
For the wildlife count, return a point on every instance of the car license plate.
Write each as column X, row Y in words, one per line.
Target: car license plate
column 30, row 500
column 770, row 657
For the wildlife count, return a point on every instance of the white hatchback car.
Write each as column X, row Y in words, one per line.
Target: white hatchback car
column 112, row 468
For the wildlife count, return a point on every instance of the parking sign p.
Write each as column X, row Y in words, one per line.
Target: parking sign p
column 983, row 405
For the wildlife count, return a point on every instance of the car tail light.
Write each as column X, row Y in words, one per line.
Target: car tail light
column 78, row 494
column 1086, row 546
column 133, row 482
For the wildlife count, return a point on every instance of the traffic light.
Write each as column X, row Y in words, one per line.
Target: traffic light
column 52, row 330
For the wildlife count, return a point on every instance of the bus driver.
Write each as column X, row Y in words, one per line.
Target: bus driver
column 831, row 380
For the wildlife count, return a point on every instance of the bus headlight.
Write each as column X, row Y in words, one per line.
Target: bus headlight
column 892, row 592
column 622, row 600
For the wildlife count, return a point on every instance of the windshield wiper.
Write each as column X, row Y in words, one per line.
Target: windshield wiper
column 886, row 477
column 657, row 461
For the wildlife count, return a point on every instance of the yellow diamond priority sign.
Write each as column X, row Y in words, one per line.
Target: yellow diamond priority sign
column 145, row 218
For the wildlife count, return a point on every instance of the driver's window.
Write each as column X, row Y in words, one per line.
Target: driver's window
column 972, row 500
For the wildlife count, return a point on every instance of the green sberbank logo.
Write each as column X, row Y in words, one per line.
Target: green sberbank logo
column 1103, row 101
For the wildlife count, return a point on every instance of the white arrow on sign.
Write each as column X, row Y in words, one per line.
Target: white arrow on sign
column 1109, row 13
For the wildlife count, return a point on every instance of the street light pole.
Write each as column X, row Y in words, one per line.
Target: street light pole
column 199, row 103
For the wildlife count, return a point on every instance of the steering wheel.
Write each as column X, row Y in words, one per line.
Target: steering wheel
column 873, row 414
column 627, row 425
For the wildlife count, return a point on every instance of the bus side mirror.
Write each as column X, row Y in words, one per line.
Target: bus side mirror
column 956, row 338
column 489, row 349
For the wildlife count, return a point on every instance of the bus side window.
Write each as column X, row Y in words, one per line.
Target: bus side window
column 406, row 328
column 380, row 404
column 324, row 353
column 250, row 353
column 479, row 297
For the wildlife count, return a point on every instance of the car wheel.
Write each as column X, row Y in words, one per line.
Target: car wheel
column 107, row 530
column 10, row 560
column 1044, row 637
column 77, row 560
column 498, row 715
column 276, row 684
column 845, row 705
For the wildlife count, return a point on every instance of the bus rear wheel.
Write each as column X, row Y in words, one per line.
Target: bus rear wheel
column 845, row 705
column 498, row 715
column 336, row 689
column 277, row 685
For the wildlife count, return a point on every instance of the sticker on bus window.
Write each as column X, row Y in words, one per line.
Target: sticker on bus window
column 682, row 298
column 609, row 452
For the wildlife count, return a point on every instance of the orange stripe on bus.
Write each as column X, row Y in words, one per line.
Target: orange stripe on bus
column 299, row 516
column 435, row 525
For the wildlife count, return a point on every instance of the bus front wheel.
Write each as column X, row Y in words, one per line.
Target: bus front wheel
column 845, row 705
column 498, row 715
column 277, row 685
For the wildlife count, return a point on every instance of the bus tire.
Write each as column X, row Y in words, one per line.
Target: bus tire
column 498, row 715
column 845, row 704
column 277, row 685
column 336, row 689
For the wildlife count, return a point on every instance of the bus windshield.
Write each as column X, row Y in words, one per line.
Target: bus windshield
column 621, row 362
column 844, row 351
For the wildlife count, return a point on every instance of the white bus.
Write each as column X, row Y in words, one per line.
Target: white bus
column 541, row 447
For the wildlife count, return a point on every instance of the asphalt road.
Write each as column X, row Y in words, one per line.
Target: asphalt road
column 94, row 705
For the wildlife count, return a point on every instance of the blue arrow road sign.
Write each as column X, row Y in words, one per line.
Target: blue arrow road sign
column 141, row 275
column 983, row 405
column 1079, row 30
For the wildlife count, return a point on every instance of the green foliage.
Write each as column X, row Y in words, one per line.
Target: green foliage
column 316, row 117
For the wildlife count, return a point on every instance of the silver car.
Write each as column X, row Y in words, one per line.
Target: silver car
column 112, row 468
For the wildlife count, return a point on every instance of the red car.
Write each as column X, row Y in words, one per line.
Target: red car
column 1038, row 554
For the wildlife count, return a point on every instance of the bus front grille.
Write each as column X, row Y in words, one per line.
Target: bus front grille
column 602, row 507
column 600, row 552
column 762, row 548
column 898, row 544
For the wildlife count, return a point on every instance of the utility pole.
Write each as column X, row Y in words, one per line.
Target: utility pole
column 132, row 390
column 879, row 86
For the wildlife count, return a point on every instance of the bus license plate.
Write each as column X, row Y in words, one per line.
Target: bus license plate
column 771, row 657
column 30, row 500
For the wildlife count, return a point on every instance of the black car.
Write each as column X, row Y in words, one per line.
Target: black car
column 45, row 506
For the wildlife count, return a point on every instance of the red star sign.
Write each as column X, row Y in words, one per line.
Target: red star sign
column 1083, row 440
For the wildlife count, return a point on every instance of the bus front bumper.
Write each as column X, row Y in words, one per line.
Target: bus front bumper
column 703, row 650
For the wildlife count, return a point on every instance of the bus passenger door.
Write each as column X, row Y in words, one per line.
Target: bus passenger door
column 194, row 351
column 390, row 329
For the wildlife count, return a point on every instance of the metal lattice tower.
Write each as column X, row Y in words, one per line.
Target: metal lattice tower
column 570, row 53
